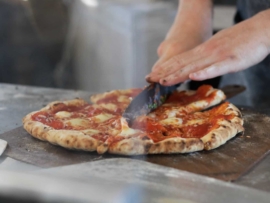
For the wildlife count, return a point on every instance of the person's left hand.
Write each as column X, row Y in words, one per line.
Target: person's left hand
column 230, row 50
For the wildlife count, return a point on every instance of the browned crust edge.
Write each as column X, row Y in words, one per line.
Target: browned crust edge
column 96, row 97
column 137, row 146
column 227, row 130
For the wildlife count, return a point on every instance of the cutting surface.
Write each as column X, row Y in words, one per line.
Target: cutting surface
column 227, row 162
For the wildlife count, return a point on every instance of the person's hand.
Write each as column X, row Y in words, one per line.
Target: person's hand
column 230, row 50
column 179, row 41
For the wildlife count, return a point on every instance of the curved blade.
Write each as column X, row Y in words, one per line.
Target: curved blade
column 148, row 100
column 233, row 90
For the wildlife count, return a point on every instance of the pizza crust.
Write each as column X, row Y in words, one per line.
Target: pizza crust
column 69, row 139
column 54, row 105
column 137, row 146
column 120, row 94
column 227, row 129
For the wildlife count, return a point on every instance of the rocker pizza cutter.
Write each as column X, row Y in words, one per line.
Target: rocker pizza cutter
column 148, row 100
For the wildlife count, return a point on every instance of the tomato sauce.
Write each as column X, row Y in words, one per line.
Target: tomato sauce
column 113, row 98
column 206, row 121
column 182, row 99
column 48, row 119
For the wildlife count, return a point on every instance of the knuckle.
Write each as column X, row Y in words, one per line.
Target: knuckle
column 178, row 60
column 168, row 47
column 161, row 48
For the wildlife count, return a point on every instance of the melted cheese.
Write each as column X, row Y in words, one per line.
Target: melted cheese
column 90, row 131
column 209, row 92
column 108, row 106
column 172, row 113
column 124, row 98
column 171, row 121
column 77, row 122
column 190, row 92
column 195, row 122
column 101, row 117
column 126, row 131
column 202, row 104
column 63, row 114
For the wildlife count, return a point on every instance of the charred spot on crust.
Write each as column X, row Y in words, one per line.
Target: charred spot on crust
column 145, row 138
column 224, row 126
column 67, row 141
column 207, row 145
column 75, row 139
column 182, row 144
column 229, row 121
column 190, row 143
column 147, row 147
column 168, row 142
column 91, row 144
column 164, row 133
column 213, row 135
column 56, row 104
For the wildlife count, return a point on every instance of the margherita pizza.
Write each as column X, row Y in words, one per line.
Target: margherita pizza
column 184, row 123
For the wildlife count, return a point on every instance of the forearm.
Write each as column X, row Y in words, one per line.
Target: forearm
column 193, row 16
column 263, row 23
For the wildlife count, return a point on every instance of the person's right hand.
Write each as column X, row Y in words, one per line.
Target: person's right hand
column 230, row 50
column 178, row 42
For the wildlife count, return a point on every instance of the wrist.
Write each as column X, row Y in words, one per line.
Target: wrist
column 263, row 21
column 193, row 18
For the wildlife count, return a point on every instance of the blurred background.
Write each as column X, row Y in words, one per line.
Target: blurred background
column 93, row 45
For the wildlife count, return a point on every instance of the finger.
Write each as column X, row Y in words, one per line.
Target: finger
column 172, row 65
column 156, row 68
column 165, row 56
column 182, row 74
column 217, row 69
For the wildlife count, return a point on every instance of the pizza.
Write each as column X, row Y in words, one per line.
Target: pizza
column 188, row 121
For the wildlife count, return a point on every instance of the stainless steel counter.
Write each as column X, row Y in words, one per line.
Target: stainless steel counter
column 113, row 180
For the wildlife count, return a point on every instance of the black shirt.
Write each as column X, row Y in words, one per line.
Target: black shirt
column 257, row 78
